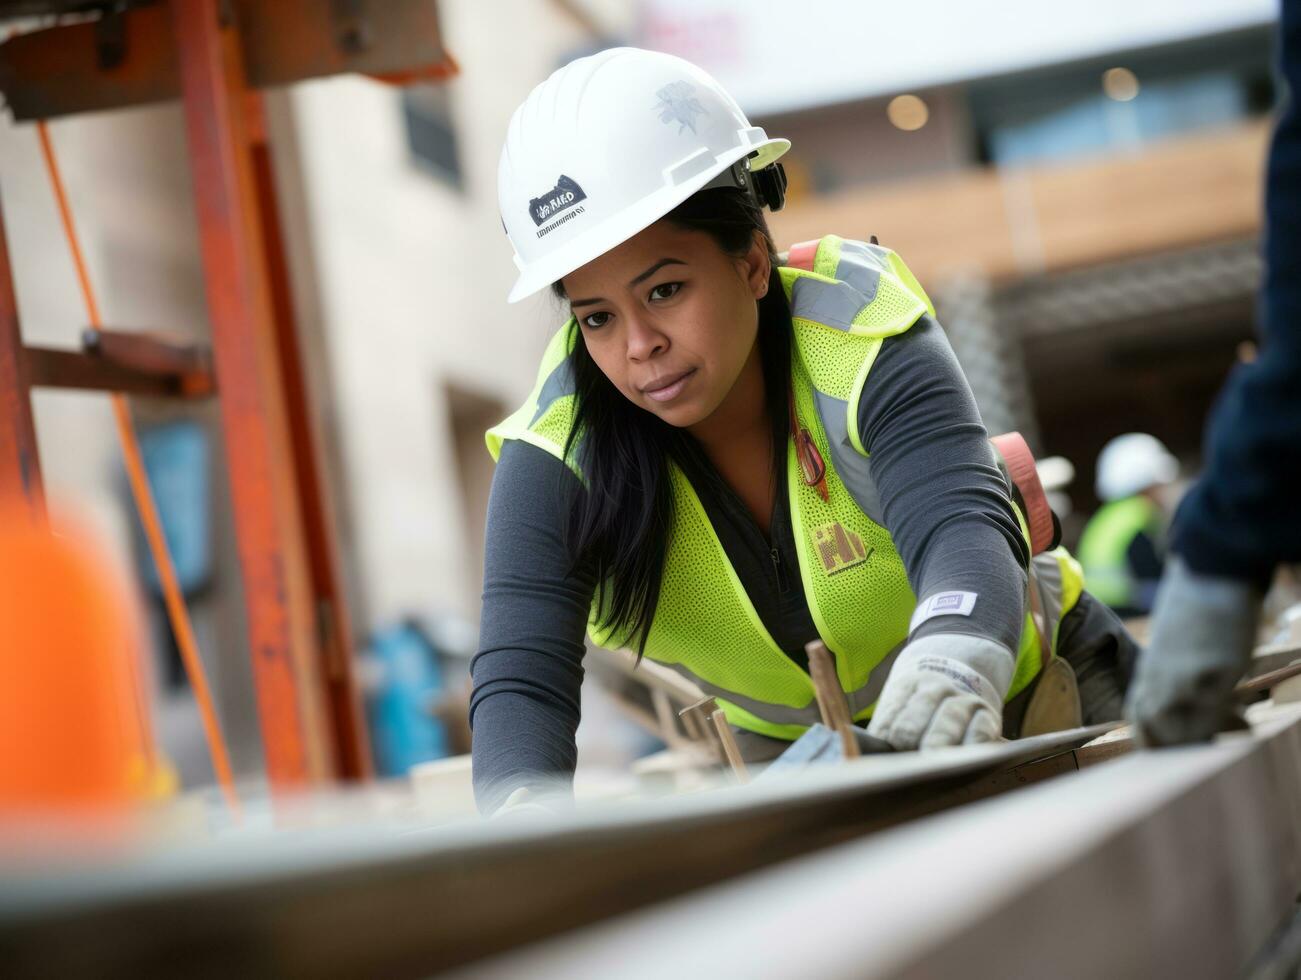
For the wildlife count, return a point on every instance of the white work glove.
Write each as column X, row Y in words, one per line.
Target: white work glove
column 1203, row 632
column 945, row 689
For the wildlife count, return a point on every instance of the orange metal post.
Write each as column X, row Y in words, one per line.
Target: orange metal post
column 349, row 729
column 20, row 466
column 284, row 644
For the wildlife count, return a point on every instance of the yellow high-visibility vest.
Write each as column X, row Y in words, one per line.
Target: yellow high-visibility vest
column 705, row 626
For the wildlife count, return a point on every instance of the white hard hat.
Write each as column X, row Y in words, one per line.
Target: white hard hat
column 607, row 146
column 1131, row 463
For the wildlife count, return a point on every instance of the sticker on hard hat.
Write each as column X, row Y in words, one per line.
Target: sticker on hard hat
column 678, row 103
column 556, row 201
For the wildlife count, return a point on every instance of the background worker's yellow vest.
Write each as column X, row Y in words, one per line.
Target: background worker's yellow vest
column 705, row 626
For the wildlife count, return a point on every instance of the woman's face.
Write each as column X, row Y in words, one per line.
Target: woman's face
column 670, row 318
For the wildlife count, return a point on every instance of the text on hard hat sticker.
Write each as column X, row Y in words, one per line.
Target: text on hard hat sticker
column 559, row 199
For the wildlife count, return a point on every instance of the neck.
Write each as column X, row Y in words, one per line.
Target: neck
column 742, row 415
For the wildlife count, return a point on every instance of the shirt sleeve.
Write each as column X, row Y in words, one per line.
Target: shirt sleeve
column 1243, row 516
column 944, row 500
column 524, row 708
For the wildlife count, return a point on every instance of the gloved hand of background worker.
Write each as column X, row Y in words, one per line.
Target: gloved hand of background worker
column 945, row 689
column 1203, row 632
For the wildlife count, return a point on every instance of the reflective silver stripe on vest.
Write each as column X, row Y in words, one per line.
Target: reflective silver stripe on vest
column 832, row 303
column 559, row 383
column 777, row 714
column 866, row 695
column 851, row 466
column 861, row 266
column 1046, row 576
column 783, row 714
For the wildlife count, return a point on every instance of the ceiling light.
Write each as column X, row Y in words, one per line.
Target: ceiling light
column 1120, row 84
column 908, row 112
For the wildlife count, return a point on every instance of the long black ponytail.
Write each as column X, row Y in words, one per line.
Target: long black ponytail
column 619, row 528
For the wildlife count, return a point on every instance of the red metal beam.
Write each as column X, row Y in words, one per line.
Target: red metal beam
column 276, row 580
column 20, row 467
column 348, row 722
column 188, row 366
column 51, row 368
column 69, row 68
column 126, row 362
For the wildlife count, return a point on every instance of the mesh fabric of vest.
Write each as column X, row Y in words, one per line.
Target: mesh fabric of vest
column 1105, row 543
column 854, row 579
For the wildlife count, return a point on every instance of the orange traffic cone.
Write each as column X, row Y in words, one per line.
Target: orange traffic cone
column 74, row 719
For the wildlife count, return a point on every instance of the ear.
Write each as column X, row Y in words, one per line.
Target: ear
column 758, row 267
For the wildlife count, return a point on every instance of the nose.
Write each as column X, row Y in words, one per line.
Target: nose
column 644, row 340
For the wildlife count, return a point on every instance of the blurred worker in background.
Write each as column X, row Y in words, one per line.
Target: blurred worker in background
column 703, row 472
column 1123, row 546
column 1243, row 517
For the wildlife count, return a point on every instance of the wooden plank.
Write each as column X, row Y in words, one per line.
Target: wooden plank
column 654, row 676
column 370, row 901
column 1179, row 863
column 730, row 749
column 1013, row 223
column 831, row 698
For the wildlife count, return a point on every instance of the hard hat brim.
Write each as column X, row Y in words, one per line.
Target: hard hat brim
column 617, row 229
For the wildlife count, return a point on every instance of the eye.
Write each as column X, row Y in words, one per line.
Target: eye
column 595, row 320
column 665, row 290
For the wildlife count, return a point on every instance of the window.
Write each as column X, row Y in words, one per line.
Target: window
column 431, row 136
column 1070, row 110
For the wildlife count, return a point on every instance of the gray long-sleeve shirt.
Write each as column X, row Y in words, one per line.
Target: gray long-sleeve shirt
column 944, row 502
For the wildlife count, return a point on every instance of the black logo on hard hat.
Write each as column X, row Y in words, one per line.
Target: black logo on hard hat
column 556, row 201
column 678, row 103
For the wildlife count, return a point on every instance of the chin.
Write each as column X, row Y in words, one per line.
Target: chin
column 679, row 416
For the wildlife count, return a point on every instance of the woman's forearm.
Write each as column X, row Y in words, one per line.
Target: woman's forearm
column 524, row 709
column 944, row 500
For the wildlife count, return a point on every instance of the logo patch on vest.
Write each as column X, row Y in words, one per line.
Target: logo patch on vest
column 561, row 200
column 839, row 549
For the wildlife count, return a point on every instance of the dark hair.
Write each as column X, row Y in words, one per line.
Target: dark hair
column 619, row 528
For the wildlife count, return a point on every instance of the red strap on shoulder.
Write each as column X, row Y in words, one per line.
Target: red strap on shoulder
column 1020, row 467
column 801, row 255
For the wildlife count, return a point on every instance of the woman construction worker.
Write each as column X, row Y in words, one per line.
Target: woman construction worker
column 724, row 459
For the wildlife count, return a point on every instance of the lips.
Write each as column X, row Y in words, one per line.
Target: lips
column 667, row 387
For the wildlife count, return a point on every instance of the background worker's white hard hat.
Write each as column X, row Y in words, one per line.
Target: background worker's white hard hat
column 1131, row 463
column 607, row 146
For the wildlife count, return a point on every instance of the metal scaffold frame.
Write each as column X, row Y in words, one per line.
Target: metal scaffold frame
column 213, row 54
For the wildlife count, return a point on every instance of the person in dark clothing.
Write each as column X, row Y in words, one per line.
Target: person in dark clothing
column 1243, row 517
column 724, row 459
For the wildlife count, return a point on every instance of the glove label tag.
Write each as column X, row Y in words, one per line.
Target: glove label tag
column 943, row 604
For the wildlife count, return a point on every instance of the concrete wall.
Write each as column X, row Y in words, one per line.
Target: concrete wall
column 411, row 276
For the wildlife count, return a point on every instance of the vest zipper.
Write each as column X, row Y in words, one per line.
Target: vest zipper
column 783, row 584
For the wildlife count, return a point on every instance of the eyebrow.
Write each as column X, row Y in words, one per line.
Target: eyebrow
column 635, row 281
